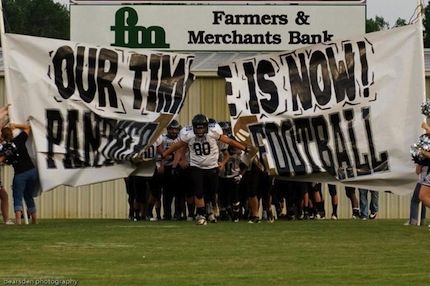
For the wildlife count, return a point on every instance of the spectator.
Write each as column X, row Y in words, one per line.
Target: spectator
column 414, row 208
column 334, row 200
column 422, row 171
column 4, row 205
column 317, row 199
column 25, row 177
column 4, row 197
column 350, row 193
column 424, row 193
column 364, row 206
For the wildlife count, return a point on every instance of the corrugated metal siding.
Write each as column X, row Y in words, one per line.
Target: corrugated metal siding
column 207, row 96
column 390, row 205
column 109, row 199
column 103, row 200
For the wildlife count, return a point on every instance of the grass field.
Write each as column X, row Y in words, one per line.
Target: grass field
column 119, row 252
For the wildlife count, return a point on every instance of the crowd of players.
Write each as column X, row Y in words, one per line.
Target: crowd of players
column 207, row 176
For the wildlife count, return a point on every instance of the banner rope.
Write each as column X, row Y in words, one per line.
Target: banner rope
column 419, row 11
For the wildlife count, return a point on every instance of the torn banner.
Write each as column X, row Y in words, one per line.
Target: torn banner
column 342, row 111
column 91, row 108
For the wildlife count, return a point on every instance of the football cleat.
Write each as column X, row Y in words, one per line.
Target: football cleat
column 212, row 218
column 254, row 220
column 201, row 220
column 355, row 214
column 270, row 217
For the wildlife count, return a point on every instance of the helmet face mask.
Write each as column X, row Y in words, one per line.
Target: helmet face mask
column 200, row 130
column 200, row 125
column 173, row 129
column 172, row 132
column 226, row 127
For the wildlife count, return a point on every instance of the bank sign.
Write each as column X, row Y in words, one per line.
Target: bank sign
column 215, row 27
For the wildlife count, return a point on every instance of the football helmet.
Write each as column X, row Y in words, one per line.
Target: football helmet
column 200, row 125
column 226, row 127
column 173, row 129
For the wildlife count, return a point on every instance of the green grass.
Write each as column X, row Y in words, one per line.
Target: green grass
column 118, row 252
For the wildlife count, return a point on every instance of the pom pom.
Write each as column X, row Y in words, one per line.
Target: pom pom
column 10, row 152
column 425, row 108
column 417, row 155
column 416, row 150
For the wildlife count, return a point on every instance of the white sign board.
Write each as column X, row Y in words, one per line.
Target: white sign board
column 216, row 27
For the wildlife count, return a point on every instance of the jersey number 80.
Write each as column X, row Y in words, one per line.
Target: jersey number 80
column 202, row 148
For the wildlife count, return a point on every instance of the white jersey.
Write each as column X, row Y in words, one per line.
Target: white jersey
column 204, row 151
column 166, row 142
column 148, row 156
column 231, row 167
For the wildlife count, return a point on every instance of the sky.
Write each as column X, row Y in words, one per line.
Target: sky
column 390, row 10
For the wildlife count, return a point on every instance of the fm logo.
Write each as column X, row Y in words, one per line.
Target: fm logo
column 128, row 35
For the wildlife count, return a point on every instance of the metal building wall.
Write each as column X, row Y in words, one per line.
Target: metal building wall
column 109, row 199
column 390, row 205
column 207, row 96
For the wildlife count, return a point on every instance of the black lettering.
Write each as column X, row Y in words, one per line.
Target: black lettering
column 277, row 39
column 267, row 86
column 322, row 139
column 91, row 139
column 128, row 139
column 344, row 163
column 364, row 68
column 304, row 136
column 89, row 94
column 296, row 159
column 53, row 134
column 138, row 64
column 107, row 58
column 318, row 63
column 362, row 168
column 72, row 158
column 64, row 54
column 299, row 81
column 253, row 100
column 294, row 38
column 218, row 15
column 277, row 149
column 120, row 141
column 343, row 74
column 107, row 134
column 377, row 165
column 154, row 68
column 225, row 71
column 196, row 39
column 258, row 135
column 172, row 84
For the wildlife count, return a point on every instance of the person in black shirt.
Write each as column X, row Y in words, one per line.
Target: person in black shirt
column 25, row 177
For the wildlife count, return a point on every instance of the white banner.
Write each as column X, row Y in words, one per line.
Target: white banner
column 91, row 108
column 348, row 109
